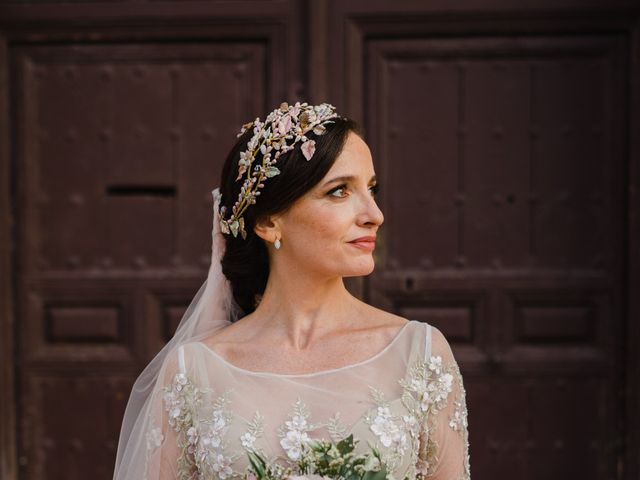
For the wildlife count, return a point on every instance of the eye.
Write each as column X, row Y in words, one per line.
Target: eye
column 339, row 187
column 374, row 189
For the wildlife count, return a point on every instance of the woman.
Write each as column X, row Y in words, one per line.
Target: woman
column 276, row 370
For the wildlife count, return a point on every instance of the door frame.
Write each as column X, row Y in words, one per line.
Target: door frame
column 632, row 374
column 318, row 86
column 8, row 430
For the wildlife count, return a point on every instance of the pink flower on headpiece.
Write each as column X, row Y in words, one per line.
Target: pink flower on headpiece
column 308, row 149
column 295, row 110
column 284, row 125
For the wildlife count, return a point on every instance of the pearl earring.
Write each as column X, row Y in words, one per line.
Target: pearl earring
column 277, row 244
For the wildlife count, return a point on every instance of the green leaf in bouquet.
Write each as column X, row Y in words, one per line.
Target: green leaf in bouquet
column 346, row 445
column 258, row 464
column 379, row 475
column 353, row 476
column 316, row 445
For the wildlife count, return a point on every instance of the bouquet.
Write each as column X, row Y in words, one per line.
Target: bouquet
column 322, row 460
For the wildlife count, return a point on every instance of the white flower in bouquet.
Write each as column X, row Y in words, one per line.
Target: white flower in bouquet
column 308, row 477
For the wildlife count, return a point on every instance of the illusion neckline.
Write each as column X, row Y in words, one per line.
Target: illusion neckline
column 311, row 374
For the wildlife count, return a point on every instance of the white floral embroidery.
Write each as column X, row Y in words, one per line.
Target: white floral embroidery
column 423, row 467
column 295, row 436
column 211, row 455
column 211, row 436
column 337, row 430
column 412, row 424
column 201, row 428
column 180, row 397
column 385, row 427
column 192, row 439
column 390, row 429
column 458, row 420
column 222, row 466
column 203, row 422
column 426, row 392
column 435, row 364
column 293, row 443
column 432, row 393
column 255, row 431
column 247, row 439
column 154, row 438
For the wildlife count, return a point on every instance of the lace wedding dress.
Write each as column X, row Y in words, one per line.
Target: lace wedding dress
column 407, row 400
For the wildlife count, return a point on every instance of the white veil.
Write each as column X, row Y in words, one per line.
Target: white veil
column 212, row 308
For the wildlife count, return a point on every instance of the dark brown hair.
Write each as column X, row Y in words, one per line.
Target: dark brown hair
column 246, row 262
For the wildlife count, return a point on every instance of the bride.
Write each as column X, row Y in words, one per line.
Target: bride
column 276, row 371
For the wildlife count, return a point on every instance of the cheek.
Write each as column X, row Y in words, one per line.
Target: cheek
column 320, row 243
column 317, row 232
column 323, row 227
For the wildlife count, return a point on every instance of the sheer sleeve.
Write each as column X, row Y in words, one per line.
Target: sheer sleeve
column 444, row 444
column 168, row 452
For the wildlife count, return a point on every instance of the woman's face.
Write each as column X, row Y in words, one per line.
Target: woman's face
column 315, row 232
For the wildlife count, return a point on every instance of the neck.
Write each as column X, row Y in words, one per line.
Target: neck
column 297, row 311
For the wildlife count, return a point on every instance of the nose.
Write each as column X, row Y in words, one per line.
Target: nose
column 370, row 213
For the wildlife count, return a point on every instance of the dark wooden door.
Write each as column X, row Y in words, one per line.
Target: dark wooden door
column 502, row 140
column 118, row 147
column 516, row 229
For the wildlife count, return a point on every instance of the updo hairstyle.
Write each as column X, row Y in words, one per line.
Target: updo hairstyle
column 246, row 261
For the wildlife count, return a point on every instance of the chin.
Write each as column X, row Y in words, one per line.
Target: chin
column 362, row 269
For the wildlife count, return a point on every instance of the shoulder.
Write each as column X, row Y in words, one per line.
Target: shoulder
column 376, row 317
column 234, row 334
column 440, row 345
column 180, row 359
column 438, row 338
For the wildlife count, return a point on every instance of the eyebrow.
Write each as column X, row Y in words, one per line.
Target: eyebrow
column 346, row 178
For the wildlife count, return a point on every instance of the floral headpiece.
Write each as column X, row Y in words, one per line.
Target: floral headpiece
column 279, row 133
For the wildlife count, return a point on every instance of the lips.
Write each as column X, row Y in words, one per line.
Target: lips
column 368, row 239
column 365, row 243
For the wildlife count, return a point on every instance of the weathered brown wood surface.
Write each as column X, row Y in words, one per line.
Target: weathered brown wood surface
column 506, row 141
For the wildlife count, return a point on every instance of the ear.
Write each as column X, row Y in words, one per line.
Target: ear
column 268, row 228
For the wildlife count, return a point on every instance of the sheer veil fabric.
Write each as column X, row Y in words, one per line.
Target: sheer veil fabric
column 194, row 415
column 211, row 309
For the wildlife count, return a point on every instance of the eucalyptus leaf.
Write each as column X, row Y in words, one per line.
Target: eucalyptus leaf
column 234, row 227
column 271, row 171
column 242, row 230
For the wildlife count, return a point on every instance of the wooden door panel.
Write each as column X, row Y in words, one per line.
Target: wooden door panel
column 129, row 133
column 121, row 145
column 538, row 427
column 496, row 156
column 565, row 330
column 73, row 423
column 80, row 321
column 494, row 162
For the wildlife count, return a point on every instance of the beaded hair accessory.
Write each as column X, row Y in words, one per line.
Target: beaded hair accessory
column 278, row 134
